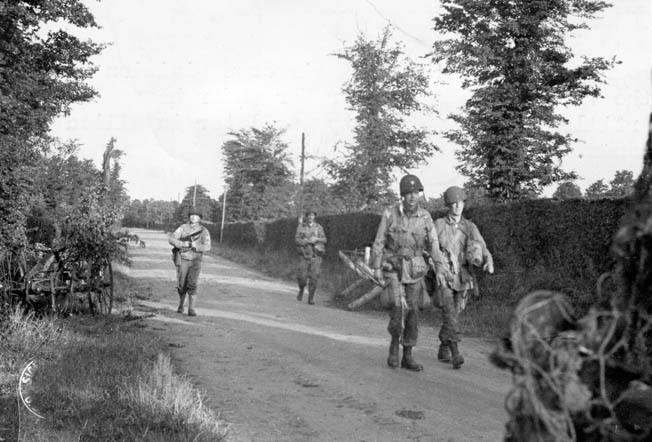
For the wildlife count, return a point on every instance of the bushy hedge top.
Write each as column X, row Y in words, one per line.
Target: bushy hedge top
column 526, row 233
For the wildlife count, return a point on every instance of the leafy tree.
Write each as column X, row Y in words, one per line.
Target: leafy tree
column 151, row 214
column 567, row 191
column 385, row 88
column 513, row 57
column 43, row 69
column 202, row 201
column 597, row 190
column 257, row 170
column 319, row 196
column 622, row 184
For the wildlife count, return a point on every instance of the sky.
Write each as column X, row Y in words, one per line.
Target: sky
column 177, row 77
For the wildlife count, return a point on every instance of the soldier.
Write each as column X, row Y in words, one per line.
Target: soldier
column 190, row 241
column 311, row 245
column 405, row 233
column 459, row 239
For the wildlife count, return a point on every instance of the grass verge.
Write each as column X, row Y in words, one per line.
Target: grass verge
column 97, row 379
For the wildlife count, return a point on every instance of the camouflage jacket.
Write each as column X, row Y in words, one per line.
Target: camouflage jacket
column 453, row 240
column 310, row 240
column 401, row 240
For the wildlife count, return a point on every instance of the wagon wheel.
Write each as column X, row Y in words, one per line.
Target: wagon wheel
column 101, row 289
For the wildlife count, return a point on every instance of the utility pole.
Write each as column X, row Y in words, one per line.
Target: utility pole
column 223, row 214
column 194, row 195
column 303, row 161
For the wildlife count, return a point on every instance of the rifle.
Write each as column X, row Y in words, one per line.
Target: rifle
column 177, row 250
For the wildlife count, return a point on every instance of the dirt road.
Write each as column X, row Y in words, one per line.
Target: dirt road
column 281, row 370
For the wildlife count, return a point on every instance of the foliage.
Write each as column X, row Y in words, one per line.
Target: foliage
column 257, row 169
column 567, row 191
column 44, row 69
column 385, row 88
column 88, row 230
column 202, row 201
column 513, row 57
column 620, row 186
column 319, row 196
column 149, row 213
column 597, row 190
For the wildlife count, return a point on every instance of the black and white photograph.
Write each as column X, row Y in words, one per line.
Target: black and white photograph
column 325, row 221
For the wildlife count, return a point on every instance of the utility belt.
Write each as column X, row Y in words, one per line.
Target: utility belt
column 408, row 266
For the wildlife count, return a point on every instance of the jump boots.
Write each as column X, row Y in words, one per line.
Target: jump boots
column 392, row 359
column 191, row 305
column 458, row 359
column 444, row 353
column 408, row 361
column 300, row 295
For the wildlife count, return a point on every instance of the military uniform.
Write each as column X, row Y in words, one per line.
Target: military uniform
column 311, row 241
column 399, row 246
column 191, row 241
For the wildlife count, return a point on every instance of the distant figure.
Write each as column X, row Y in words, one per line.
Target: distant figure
column 142, row 244
column 463, row 248
column 311, row 245
column 405, row 232
column 190, row 241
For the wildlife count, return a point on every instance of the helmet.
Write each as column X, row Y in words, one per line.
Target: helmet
column 310, row 210
column 195, row 211
column 409, row 184
column 454, row 194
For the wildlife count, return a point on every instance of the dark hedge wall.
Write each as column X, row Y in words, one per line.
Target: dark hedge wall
column 558, row 245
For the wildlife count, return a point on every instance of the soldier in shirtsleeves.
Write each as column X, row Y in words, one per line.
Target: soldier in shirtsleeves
column 311, row 245
column 406, row 231
column 190, row 241
column 463, row 248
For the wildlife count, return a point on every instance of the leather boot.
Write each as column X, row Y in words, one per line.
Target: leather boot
column 392, row 359
column 191, row 305
column 300, row 295
column 458, row 359
column 182, row 299
column 311, row 293
column 444, row 353
column 408, row 361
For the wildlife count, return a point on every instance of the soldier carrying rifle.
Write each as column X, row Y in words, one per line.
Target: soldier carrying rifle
column 189, row 243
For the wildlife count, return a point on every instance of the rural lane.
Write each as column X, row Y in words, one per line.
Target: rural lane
column 280, row 370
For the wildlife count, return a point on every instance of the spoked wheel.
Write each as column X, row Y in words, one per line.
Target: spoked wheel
column 101, row 290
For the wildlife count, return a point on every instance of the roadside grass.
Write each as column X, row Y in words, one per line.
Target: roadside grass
column 97, row 379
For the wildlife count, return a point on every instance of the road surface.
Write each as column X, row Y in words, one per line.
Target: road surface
column 280, row 370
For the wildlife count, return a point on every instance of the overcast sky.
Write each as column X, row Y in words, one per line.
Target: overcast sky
column 178, row 76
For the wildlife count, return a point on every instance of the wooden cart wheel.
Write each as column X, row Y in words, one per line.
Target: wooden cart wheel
column 102, row 287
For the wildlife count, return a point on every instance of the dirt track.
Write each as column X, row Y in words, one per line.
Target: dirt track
column 280, row 370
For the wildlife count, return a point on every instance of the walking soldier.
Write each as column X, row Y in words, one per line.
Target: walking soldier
column 311, row 245
column 463, row 247
column 405, row 232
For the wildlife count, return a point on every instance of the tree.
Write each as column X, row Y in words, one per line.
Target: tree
column 597, row 190
column 513, row 57
column 622, row 184
column 258, row 173
column 385, row 88
column 43, row 71
column 198, row 195
column 567, row 191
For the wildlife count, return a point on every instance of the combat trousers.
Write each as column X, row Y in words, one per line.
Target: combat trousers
column 188, row 276
column 450, row 330
column 403, row 325
column 309, row 271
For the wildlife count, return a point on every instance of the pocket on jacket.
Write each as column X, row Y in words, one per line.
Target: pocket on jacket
column 418, row 267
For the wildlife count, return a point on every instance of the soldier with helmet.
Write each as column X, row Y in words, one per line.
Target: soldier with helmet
column 311, row 245
column 405, row 233
column 189, row 243
column 462, row 247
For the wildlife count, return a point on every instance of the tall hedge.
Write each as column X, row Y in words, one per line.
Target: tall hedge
column 567, row 243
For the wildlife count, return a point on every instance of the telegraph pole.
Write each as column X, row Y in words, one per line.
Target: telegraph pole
column 303, row 161
column 223, row 214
